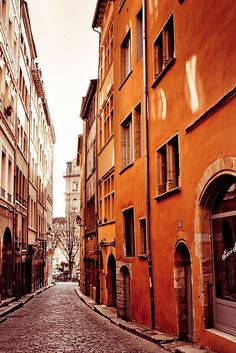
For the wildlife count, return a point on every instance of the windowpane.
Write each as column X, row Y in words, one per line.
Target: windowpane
column 168, row 170
column 126, row 142
column 139, row 22
column 224, row 242
column 164, row 48
column 126, row 56
column 129, row 232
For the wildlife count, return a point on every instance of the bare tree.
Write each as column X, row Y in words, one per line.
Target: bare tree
column 66, row 236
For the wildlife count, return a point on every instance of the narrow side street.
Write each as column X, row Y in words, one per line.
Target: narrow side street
column 57, row 321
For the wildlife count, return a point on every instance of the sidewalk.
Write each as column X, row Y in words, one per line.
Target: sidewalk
column 169, row 343
column 9, row 305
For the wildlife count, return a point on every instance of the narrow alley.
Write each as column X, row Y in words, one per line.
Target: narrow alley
column 57, row 321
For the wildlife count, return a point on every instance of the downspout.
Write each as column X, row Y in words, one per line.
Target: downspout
column 96, row 167
column 146, row 166
column 85, row 210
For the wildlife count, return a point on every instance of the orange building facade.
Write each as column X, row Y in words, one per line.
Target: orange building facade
column 191, row 84
column 165, row 138
column 106, row 236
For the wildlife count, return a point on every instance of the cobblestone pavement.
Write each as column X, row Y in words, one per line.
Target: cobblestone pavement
column 57, row 321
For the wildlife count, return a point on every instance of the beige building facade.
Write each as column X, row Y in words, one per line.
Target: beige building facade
column 26, row 139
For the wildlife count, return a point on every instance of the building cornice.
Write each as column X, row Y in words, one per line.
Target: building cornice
column 99, row 13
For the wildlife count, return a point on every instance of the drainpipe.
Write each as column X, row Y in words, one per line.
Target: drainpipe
column 84, row 219
column 146, row 166
column 96, row 166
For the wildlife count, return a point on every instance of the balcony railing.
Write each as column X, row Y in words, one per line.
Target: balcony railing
column 3, row 193
column 20, row 199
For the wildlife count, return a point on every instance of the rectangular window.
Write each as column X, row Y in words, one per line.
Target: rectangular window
column 126, row 142
column 168, row 166
column 108, row 119
column 75, row 186
column 3, row 175
column 106, row 197
column 164, row 48
column 100, row 210
column 126, row 56
column 139, row 29
column 129, row 232
column 137, row 131
column 142, row 234
column 10, row 181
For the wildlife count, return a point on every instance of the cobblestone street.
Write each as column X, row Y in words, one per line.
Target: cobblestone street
column 57, row 321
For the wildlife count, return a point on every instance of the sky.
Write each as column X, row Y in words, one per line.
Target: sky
column 67, row 49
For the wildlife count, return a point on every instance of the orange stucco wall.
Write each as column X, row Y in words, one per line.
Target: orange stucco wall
column 204, row 71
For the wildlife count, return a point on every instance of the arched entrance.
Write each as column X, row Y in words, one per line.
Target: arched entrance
column 126, row 294
column 7, row 265
column 183, row 291
column 111, row 281
column 215, row 229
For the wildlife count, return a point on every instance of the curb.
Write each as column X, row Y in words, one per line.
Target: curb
column 17, row 304
column 165, row 341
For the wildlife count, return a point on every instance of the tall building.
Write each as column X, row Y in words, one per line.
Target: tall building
column 103, row 20
column 9, row 49
column 191, row 105
column 166, row 147
column 27, row 138
column 72, row 178
column 72, row 194
column 88, row 214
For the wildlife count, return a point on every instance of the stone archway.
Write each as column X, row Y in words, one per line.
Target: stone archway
column 7, row 265
column 183, row 290
column 215, row 181
column 111, row 281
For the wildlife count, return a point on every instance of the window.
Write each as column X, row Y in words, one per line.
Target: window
column 139, row 29
column 10, row 181
column 129, row 232
column 168, row 166
column 75, row 186
column 3, row 174
column 108, row 119
column 126, row 56
column 106, row 54
column 108, row 49
column 142, row 234
column 131, row 137
column 106, row 200
column 137, row 131
column 164, row 48
column 105, row 122
column 126, row 142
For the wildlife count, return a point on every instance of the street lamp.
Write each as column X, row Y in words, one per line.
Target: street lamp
column 78, row 221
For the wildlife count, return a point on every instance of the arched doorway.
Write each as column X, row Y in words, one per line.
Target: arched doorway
column 111, row 281
column 183, row 291
column 126, row 294
column 7, row 265
column 223, row 218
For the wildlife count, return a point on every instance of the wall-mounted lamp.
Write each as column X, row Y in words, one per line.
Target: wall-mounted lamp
column 79, row 222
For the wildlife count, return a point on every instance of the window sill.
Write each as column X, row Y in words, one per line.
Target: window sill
column 163, row 72
column 126, row 167
column 106, row 223
column 168, row 193
column 143, row 256
column 129, row 258
column 125, row 79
